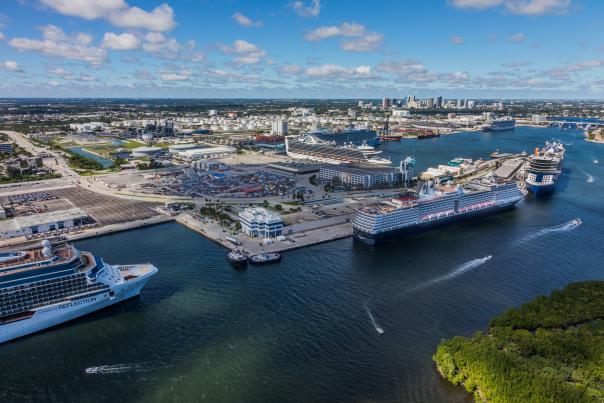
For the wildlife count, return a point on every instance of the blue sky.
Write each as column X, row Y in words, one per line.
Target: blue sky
column 305, row 49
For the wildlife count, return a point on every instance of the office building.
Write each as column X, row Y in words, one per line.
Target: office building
column 258, row 222
column 361, row 178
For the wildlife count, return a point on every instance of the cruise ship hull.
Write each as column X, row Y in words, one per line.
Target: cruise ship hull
column 373, row 239
column 541, row 190
column 53, row 315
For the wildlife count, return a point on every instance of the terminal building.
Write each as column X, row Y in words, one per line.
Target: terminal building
column 258, row 222
column 361, row 178
column 45, row 222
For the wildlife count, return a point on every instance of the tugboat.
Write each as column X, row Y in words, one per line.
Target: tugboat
column 236, row 258
column 264, row 258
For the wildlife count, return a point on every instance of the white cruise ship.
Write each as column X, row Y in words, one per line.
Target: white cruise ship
column 46, row 285
column 433, row 206
column 496, row 125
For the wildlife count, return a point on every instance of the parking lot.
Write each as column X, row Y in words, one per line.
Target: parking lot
column 105, row 209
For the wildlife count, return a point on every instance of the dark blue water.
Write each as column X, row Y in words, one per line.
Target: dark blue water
column 300, row 330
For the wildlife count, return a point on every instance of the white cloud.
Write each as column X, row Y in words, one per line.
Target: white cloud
column 520, row 7
column 367, row 43
column 457, row 40
column 311, row 10
column 181, row 75
column 56, row 43
column 117, row 12
column 68, row 75
column 245, row 21
column 2, row 37
column 331, row 70
column 403, row 67
column 54, row 83
column 11, row 65
column 160, row 19
column 246, row 52
column 158, row 43
column 290, row 69
column 585, row 65
column 538, row 7
column 125, row 41
column 344, row 29
column 519, row 37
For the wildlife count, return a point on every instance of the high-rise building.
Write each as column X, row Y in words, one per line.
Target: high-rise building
column 471, row 104
column 438, row 104
column 385, row 103
column 279, row 127
column 430, row 103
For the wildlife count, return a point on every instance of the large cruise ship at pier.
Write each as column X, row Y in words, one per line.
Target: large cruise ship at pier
column 500, row 124
column 46, row 285
column 310, row 147
column 434, row 205
column 544, row 168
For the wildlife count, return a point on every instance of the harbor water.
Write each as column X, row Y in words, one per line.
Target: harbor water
column 340, row 321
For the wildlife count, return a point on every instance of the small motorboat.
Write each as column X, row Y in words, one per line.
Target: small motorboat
column 236, row 258
column 263, row 258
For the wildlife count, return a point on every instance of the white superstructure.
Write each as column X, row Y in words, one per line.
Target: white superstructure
column 45, row 286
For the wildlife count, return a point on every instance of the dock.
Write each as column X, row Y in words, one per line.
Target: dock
column 253, row 246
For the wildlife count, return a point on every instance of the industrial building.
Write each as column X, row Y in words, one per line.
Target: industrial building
column 258, row 222
column 141, row 152
column 279, row 127
column 39, row 223
column 206, row 152
column 362, row 178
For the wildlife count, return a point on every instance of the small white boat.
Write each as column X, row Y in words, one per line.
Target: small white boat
column 378, row 161
column 264, row 257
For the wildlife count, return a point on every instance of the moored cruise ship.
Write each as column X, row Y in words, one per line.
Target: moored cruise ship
column 433, row 206
column 544, row 168
column 500, row 124
column 46, row 285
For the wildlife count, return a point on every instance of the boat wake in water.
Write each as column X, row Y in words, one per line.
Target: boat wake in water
column 588, row 177
column 122, row 368
column 458, row 271
column 569, row 226
column 373, row 322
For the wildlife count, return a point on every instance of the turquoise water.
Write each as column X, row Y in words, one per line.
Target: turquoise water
column 104, row 161
column 304, row 330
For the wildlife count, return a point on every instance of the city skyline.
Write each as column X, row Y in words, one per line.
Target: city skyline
column 301, row 49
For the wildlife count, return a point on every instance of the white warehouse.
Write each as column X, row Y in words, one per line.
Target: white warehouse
column 39, row 223
column 258, row 222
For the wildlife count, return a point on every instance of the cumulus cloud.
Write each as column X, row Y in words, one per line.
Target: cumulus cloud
column 158, row 43
column 2, row 37
column 457, row 40
column 519, row 37
column 56, row 43
column 68, row 75
column 11, row 65
column 367, row 41
column 245, row 52
column 402, row 67
column 180, row 75
column 520, row 7
column 245, row 21
column 290, row 69
column 562, row 72
column 307, row 10
column 117, row 12
column 344, row 29
column 331, row 70
column 125, row 41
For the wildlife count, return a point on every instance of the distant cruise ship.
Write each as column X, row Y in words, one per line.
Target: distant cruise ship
column 45, row 286
column 544, row 168
column 500, row 124
column 434, row 206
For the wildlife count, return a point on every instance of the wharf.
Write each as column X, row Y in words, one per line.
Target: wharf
column 253, row 246
column 91, row 232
